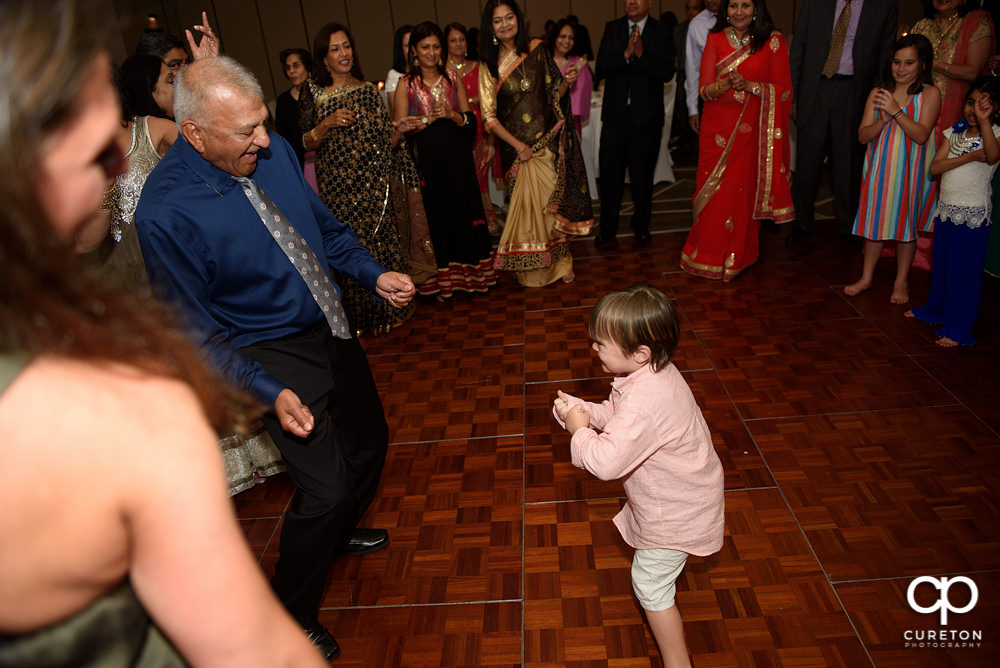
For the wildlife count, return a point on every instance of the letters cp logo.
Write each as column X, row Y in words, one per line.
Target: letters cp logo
column 943, row 603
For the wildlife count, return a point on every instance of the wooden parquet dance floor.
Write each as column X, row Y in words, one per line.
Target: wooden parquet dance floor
column 858, row 457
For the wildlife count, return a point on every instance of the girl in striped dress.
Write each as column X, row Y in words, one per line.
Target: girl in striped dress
column 898, row 194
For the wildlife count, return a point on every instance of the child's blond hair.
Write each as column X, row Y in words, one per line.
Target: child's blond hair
column 637, row 316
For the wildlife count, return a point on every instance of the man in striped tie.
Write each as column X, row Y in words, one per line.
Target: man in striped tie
column 233, row 235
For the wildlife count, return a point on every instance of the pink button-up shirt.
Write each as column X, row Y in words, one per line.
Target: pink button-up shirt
column 654, row 436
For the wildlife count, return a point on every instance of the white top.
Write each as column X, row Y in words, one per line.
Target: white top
column 966, row 194
column 391, row 80
column 696, row 38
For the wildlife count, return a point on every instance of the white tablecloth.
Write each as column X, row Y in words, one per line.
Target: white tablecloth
column 591, row 139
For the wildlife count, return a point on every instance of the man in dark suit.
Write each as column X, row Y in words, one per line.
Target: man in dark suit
column 829, row 98
column 635, row 59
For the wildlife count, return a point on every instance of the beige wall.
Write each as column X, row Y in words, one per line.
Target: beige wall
column 255, row 31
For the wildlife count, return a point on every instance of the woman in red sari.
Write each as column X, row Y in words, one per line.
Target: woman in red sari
column 457, row 40
column 743, row 145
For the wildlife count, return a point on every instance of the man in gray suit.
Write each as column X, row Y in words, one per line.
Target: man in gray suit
column 829, row 98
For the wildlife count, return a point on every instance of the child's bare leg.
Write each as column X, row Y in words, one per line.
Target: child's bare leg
column 873, row 250
column 668, row 629
column 904, row 258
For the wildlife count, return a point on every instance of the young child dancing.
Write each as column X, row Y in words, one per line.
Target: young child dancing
column 651, row 433
column 966, row 161
column 897, row 195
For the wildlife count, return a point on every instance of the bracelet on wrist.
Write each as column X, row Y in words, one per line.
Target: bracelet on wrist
column 896, row 114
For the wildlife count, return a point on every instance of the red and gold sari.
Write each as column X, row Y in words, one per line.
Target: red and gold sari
column 482, row 145
column 743, row 157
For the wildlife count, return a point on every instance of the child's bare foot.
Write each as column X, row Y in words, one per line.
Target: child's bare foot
column 909, row 314
column 857, row 288
column 569, row 278
column 945, row 342
column 900, row 295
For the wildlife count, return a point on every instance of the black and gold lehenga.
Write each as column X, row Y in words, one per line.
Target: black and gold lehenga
column 549, row 194
column 354, row 167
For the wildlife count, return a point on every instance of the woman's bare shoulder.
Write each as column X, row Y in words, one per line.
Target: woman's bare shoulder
column 162, row 132
column 114, row 404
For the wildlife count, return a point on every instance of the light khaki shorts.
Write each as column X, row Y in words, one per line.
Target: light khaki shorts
column 654, row 577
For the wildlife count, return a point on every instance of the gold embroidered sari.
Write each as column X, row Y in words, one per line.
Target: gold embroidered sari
column 549, row 194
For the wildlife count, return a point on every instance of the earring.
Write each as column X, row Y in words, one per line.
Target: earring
column 727, row 18
column 440, row 62
column 495, row 40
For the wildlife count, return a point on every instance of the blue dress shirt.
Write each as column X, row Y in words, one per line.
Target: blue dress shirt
column 208, row 252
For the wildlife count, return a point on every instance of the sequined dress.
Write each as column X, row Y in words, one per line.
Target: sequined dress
column 354, row 166
column 121, row 259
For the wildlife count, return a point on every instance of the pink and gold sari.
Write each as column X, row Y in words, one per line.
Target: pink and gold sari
column 743, row 158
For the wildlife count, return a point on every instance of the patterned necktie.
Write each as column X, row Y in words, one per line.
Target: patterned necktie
column 635, row 27
column 837, row 42
column 301, row 256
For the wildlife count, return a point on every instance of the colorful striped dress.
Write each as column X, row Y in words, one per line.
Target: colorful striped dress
column 898, row 195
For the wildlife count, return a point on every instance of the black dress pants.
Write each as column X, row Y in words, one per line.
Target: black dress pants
column 634, row 147
column 336, row 469
column 831, row 130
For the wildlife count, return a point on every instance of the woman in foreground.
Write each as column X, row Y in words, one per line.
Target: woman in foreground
column 103, row 406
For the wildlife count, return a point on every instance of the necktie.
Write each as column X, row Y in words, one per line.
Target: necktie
column 837, row 42
column 301, row 256
column 635, row 27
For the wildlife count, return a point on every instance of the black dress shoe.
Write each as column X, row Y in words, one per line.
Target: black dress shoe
column 366, row 541
column 797, row 235
column 642, row 239
column 601, row 241
column 324, row 642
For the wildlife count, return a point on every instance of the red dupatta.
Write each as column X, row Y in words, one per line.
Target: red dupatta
column 953, row 97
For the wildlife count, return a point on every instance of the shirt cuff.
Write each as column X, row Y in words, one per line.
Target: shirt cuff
column 266, row 389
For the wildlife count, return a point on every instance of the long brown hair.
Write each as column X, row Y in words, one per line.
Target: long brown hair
column 49, row 302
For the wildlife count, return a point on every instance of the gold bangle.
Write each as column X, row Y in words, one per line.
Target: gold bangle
column 315, row 137
column 718, row 87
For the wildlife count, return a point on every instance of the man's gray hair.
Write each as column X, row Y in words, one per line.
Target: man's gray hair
column 192, row 94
